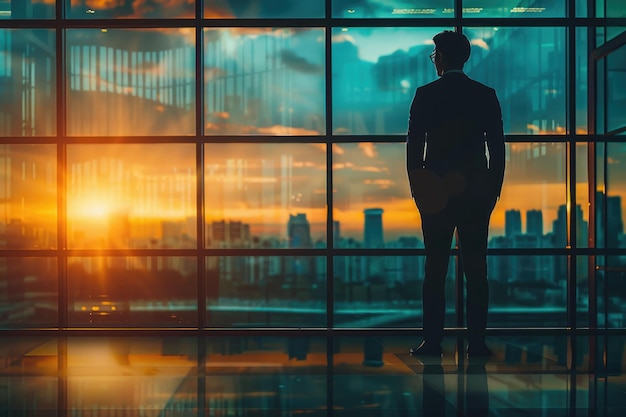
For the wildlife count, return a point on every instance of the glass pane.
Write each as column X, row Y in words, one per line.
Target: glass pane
column 23, row 357
column 385, row 291
column 262, row 291
column 532, row 211
column 582, row 83
column 616, row 89
column 513, row 8
column 28, row 197
column 611, row 281
column 614, row 8
column 131, row 9
column 610, row 359
column 265, row 195
column 581, row 8
column 131, row 196
column 610, row 206
column 263, row 81
column 526, row 66
column 28, row 292
column 370, row 9
column 27, row 82
column 583, row 199
column 132, row 291
column 372, row 200
column 527, row 291
column 582, row 290
column 263, row 9
column 375, row 74
column 27, row 9
column 130, row 82
column 29, row 395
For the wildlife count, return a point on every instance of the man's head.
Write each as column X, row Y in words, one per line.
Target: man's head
column 452, row 50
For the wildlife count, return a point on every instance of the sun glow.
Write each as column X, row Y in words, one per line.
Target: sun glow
column 98, row 208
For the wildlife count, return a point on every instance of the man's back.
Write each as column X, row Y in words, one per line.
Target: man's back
column 452, row 118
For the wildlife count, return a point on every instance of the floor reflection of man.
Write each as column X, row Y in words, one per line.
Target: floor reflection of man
column 434, row 389
column 476, row 388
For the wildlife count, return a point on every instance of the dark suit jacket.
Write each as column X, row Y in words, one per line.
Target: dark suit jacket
column 451, row 121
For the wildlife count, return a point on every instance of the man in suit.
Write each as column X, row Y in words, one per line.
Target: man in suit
column 455, row 163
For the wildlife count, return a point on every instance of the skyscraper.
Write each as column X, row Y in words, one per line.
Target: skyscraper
column 610, row 225
column 534, row 222
column 299, row 231
column 373, row 234
column 512, row 223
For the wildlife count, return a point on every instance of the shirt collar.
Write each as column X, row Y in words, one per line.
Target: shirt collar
column 450, row 71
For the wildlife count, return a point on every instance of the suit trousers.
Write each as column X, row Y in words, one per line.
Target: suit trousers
column 470, row 217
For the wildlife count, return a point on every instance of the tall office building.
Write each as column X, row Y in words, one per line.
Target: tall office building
column 512, row 223
column 373, row 234
column 534, row 222
column 299, row 231
column 610, row 225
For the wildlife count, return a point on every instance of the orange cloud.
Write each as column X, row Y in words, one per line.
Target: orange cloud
column 369, row 149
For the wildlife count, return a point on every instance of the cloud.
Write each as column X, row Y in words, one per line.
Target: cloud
column 368, row 149
column 298, row 63
column 480, row 43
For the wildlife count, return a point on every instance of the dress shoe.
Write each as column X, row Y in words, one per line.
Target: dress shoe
column 479, row 350
column 427, row 349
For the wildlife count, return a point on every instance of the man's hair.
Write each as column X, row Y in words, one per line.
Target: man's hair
column 454, row 46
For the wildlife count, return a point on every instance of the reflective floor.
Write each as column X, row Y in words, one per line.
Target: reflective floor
column 306, row 376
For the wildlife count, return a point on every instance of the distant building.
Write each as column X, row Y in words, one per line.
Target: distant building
column 299, row 231
column 231, row 234
column 512, row 223
column 534, row 222
column 373, row 234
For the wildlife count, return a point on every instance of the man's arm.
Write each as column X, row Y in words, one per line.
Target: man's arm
column 416, row 135
column 495, row 144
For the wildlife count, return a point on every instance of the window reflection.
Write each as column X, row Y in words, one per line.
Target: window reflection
column 611, row 269
column 610, row 203
column 255, row 9
column 263, row 81
column 130, row 9
column 28, row 288
column 132, row 291
column 514, row 8
column 375, row 74
column 265, row 195
column 276, row 291
column 22, row 9
column 616, row 90
column 120, row 196
column 582, row 82
column 526, row 66
column 370, row 9
column 28, row 197
column 582, row 196
column 610, row 8
column 27, row 79
column 130, row 82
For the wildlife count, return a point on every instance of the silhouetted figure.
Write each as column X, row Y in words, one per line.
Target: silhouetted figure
column 453, row 121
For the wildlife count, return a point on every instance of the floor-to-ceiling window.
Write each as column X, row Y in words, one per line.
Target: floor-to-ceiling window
column 225, row 164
